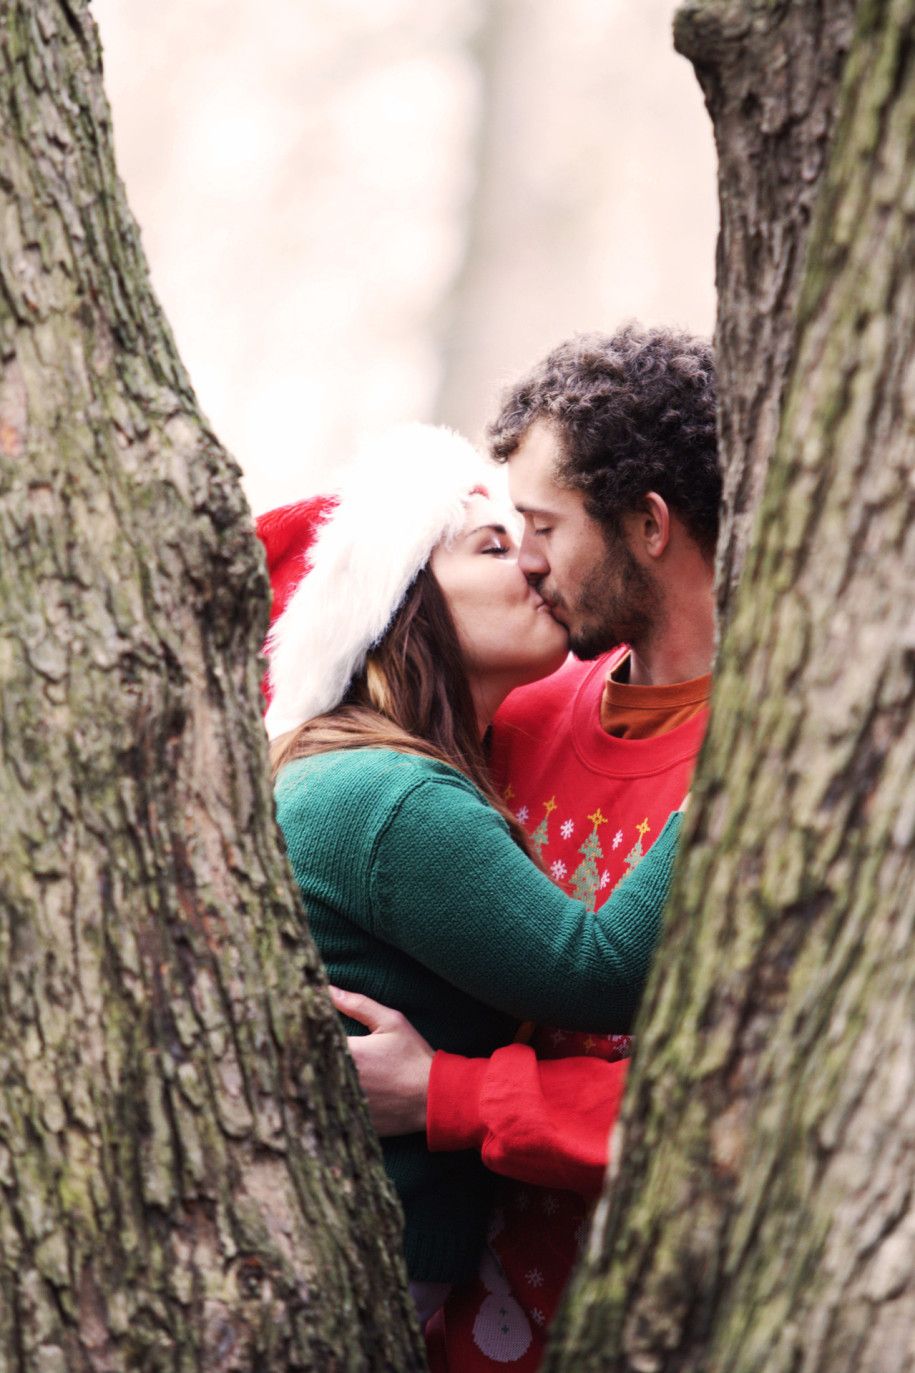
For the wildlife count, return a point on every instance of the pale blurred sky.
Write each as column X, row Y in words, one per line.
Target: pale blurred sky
column 359, row 211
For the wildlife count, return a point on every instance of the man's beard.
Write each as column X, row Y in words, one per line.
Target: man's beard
column 619, row 603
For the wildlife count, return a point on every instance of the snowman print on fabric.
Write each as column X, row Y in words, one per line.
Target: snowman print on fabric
column 501, row 1329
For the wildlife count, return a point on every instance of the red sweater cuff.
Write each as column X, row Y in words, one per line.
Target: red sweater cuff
column 453, row 1119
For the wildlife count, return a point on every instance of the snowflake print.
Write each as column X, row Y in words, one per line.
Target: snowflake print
column 522, row 813
column 558, row 869
column 537, row 1315
column 566, row 828
column 617, row 839
column 550, row 1205
column 534, row 1278
column 558, row 1036
column 604, row 879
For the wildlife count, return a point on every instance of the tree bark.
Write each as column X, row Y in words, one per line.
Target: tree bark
column 188, row 1178
column 769, row 70
column 764, row 1214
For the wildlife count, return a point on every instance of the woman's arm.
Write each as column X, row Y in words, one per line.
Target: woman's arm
column 450, row 887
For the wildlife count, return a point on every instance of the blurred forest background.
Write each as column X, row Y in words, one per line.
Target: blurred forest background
column 361, row 211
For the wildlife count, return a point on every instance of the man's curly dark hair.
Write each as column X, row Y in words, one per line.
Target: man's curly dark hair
column 635, row 411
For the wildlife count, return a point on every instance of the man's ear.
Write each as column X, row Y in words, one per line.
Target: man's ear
column 651, row 525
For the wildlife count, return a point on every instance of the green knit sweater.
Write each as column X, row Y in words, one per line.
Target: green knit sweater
column 419, row 897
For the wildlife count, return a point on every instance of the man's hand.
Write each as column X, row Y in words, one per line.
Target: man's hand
column 393, row 1064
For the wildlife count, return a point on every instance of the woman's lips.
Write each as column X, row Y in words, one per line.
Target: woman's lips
column 544, row 606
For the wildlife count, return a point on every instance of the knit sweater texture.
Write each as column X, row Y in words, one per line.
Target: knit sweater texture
column 419, row 897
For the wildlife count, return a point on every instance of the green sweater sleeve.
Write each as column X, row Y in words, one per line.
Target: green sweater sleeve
column 449, row 886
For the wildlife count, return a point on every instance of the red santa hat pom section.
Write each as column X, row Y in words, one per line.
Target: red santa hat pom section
column 405, row 493
column 287, row 534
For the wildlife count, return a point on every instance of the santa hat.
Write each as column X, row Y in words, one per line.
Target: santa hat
column 287, row 534
column 340, row 568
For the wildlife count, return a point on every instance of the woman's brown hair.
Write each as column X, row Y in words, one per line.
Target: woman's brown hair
column 412, row 696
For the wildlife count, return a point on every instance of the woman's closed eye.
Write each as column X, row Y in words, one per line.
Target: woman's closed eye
column 497, row 550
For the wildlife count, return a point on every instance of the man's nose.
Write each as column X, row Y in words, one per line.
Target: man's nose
column 530, row 558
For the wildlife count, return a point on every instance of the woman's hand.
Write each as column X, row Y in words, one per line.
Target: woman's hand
column 393, row 1063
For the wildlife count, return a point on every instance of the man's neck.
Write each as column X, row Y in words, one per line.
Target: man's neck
column 681, row 643
column 666, row 668
column 680, row 651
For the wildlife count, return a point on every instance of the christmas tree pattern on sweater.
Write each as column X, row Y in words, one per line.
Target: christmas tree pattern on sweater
column 586, row 879
column 637, row 853
column 541, row 835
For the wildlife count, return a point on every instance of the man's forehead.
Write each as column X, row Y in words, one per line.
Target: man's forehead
column 532, row 473
column 540, row 444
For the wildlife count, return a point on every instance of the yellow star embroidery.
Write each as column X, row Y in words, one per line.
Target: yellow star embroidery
column 643, row 828
column 509, row 792
column 597, row 818
column 550, row 806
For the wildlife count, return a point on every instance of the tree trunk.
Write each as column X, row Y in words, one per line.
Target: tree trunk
column 763, row 1219
column 770, row 75
column 188, row 1177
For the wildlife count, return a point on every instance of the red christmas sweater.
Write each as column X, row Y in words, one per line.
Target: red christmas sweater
column 541, row 1113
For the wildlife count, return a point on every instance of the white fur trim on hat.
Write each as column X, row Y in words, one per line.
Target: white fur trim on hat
column 404, row 494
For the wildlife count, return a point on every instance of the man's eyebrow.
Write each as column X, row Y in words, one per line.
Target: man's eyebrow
column 535, row 510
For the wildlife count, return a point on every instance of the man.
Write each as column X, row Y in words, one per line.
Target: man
column 611, row 450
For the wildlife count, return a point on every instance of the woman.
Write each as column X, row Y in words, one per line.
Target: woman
column 410, row 626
